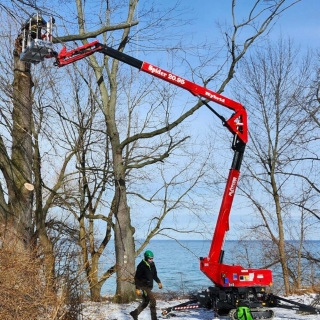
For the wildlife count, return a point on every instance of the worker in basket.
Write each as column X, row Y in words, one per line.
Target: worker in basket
column 145, row 275
column 34, row 26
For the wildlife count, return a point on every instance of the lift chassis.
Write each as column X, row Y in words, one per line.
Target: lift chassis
column 221, row 301
column 234, row 285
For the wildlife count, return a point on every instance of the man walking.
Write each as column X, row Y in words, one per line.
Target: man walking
column 145, row 275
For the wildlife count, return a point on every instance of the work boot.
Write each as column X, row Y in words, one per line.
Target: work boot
column 134, row 314
column 153, row 315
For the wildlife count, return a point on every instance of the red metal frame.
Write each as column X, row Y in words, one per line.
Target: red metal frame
column 66, row 57
column 237, row 124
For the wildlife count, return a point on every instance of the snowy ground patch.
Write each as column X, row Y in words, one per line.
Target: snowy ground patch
column 111, row 311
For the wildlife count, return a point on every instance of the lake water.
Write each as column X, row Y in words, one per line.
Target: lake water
column 178, row 263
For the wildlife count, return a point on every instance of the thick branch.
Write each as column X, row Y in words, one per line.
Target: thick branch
column 162, row 130
column 93, row 34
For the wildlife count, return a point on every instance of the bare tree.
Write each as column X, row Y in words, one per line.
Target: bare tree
column 16, row 155
column 119, row 35
column 85, row 133
column 123, row 229
column 273, row 88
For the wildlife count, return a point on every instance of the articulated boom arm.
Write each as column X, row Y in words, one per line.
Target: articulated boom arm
column 237, row 124
column 222, row 275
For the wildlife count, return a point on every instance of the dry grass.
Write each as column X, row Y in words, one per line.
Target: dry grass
column 173, row 295
column 24, row 295
column 307, row 290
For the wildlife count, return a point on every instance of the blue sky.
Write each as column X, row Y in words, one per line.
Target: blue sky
column 300, row 22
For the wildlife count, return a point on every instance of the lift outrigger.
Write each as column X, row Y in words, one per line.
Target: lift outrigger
column 272, row 301
column 234, row 285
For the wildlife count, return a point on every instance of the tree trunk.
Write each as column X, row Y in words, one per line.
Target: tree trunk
column 40, row 219
column 123, row 231
column 19, row 178
column 283, row 261
column 281, row 242
column 95, row 285
column 124, row 246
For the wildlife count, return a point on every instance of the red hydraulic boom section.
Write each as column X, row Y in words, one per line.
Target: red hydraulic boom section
column 237, row 124
column 212, row 266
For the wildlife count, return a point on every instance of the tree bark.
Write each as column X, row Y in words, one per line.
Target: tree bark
column 19, row 175
column 124, row 241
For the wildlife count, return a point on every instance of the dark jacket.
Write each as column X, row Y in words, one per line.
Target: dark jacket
column 145, row 274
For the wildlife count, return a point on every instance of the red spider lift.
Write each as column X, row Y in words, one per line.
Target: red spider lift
column 234, row 285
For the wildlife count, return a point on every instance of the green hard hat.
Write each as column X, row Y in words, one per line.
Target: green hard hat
column 148, row 254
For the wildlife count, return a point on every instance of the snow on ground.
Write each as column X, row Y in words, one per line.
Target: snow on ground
column 110, row 311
